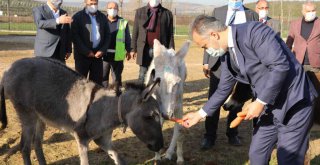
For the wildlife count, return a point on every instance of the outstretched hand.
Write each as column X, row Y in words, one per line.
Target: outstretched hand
column 253, row 110
column 191, row 119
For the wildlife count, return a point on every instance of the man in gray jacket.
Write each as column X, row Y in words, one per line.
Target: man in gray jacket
column 91, row 35
column 53, row 37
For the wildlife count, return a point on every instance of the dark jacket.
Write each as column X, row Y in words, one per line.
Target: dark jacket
column 221, row 14
column 81, row 34
column 275, row 25
column 139, row 34
column 268, row 65
column 114, row 28
column 49, row 33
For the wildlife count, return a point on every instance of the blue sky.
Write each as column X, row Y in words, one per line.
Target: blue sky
column 206, row 2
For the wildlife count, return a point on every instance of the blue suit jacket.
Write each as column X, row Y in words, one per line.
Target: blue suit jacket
column 268, row 65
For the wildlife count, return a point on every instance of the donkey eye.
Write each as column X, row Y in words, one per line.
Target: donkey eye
column 151, row 117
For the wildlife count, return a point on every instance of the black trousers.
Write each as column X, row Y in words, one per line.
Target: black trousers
column 116, row 68
column 211, row 122
column 147, row 58
column 91, row 67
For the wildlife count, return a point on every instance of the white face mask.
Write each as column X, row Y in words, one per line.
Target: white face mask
column 263, row 14
column 154, row 3
column 112, row 12
column 92, row 8
column 310, row 16
column 56, row 3
column 215, row 52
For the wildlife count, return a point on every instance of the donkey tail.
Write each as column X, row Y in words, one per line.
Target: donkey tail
column 3, row 111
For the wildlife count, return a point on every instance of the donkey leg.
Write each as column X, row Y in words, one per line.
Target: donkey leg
column 38, row 138
column 180, row 139
column 173, row 143
column 105, row 143
column 157, row 156
column 26, row 140
column 83, row 149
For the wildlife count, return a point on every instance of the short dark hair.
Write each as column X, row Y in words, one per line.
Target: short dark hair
column 202, row 23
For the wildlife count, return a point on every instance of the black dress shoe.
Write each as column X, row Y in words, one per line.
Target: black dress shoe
column 234, row 140
column 207, row 144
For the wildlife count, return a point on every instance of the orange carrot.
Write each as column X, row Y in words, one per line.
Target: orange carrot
column 242, row 114
column 180, row 121
column 236, row 122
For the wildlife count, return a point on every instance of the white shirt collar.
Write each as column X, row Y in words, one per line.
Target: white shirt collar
column 230, row 39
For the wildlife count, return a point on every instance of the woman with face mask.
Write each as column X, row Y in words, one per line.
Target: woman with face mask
column 91, row 38
column 119, row 47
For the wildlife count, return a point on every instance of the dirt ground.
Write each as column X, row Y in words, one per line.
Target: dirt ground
column 60, row 147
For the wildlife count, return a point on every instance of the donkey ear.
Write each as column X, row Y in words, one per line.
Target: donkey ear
column 150, row 89
column 157, row 48
column 184, row 49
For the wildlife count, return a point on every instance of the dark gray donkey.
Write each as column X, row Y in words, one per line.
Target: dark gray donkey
column 44, row 91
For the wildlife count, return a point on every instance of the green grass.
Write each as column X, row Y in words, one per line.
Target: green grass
column 18, row 26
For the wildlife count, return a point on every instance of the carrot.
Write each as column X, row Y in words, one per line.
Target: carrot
column 180, row 121
column 242, row 114
column 236, row 122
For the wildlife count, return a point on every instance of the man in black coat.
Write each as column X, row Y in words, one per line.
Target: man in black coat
column 151, row 22
column 233, row 13
column 91, row 35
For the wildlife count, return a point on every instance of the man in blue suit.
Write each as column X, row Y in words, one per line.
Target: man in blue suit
column 283, row 93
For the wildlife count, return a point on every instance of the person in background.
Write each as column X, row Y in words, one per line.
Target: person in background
column 262, row 8
column 304, row 38
column 119, row 47
column 233, row 13
column 283, row 95
column 53, row 37
column 91, row 36
column 151, row 22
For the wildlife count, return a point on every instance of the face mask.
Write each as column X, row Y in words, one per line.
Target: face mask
column 263, row 14
column 215, row 52
column 235, row 5
column 154, row 3
column 112, row 12
column 56, row 3
column 92, row 8
column 310, row 16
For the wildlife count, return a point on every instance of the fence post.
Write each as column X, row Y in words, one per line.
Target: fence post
column 8, row 14
column 175, row 21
